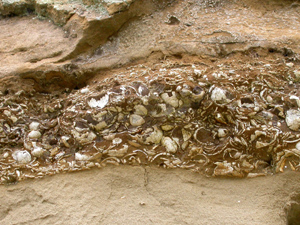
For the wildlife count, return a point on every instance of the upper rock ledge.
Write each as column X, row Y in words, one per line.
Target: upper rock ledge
column 94, row 35
column 60, row 11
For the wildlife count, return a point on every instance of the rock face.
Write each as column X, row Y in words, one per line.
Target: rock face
column 85, row 26
column 148, row 82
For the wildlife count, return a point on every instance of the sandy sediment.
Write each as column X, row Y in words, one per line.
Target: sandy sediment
column 150, row 195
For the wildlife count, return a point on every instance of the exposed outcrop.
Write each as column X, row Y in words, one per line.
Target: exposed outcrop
column 210, row 86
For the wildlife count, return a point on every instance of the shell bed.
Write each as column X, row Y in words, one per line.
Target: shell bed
column 175, row 115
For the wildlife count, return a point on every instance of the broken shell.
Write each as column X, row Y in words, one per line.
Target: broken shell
column 155, row 137
column 136, row 120
column 84, row 90
column 81, row 157
column 83, row 138
column 34, row 126
column 109, row 137
column 100, row 126
column 186, row 134
column 223, row 169
column 118, row 152
column 140, row 110
column 260, row 144
column 293, row 119
column 93, row 103
column 219, row 96
column 34, row 134
column 171, row 100
column 117, row 141
column 37, row 151
column 169, row 144
column 167, row 127
column 222, row 132
column 198, row 94
column 22, row 156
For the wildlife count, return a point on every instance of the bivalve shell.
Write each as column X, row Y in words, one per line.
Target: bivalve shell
column 169, row 144
column 171, row 100
column 136, row 120
column 293, row 119
column 219, row 96
column 34, row 134
column 22, row 156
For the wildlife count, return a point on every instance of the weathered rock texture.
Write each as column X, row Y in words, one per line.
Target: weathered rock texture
column 211, row 86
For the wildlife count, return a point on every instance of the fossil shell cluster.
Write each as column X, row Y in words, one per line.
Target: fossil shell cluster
column 208, row 119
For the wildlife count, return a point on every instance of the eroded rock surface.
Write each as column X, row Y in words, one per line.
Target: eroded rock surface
column 211, row 86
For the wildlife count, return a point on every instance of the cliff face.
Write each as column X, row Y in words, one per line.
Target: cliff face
column 210, row 86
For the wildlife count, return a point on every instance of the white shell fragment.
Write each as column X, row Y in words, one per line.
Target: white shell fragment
column 93, row 103
column 218, row 95
column 155, row 137
column 100, row 125
column 171, row 100
column 84, row 91
column 37, row 151
column 293, row 119
column 167, row 127
column 81, row 157
column 34, row 134
column 85, row 137
column 298, row 146
column 222, row 132
column 140, row 110
column 117, row 141
column 169, row 144
column 118, row 152
column 136, row 120
column 34, row 126
column 22, row 157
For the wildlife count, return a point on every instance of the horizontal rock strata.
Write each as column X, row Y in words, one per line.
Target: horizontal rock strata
column 190, row 116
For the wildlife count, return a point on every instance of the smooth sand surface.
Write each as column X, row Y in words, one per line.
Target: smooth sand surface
column 137, row 195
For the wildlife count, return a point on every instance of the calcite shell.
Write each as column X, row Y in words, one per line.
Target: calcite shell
column 93, row 103
column 100, row 126
column 155, row 137
column 117, row 141
column 34, row 134
column 118, row 152
column 22, row 156
column 34, row 126
column 141, row 110
column 218, row 95
column 171, row 100
column 223, row 169
column 169, row 144
column 222, row 132
column 37, row 151
column 85, row 137
column 167, row 127
column 136, row 120
column 81, row 157
column 293, row 119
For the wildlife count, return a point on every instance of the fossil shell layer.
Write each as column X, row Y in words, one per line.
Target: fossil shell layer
column 175, row 118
